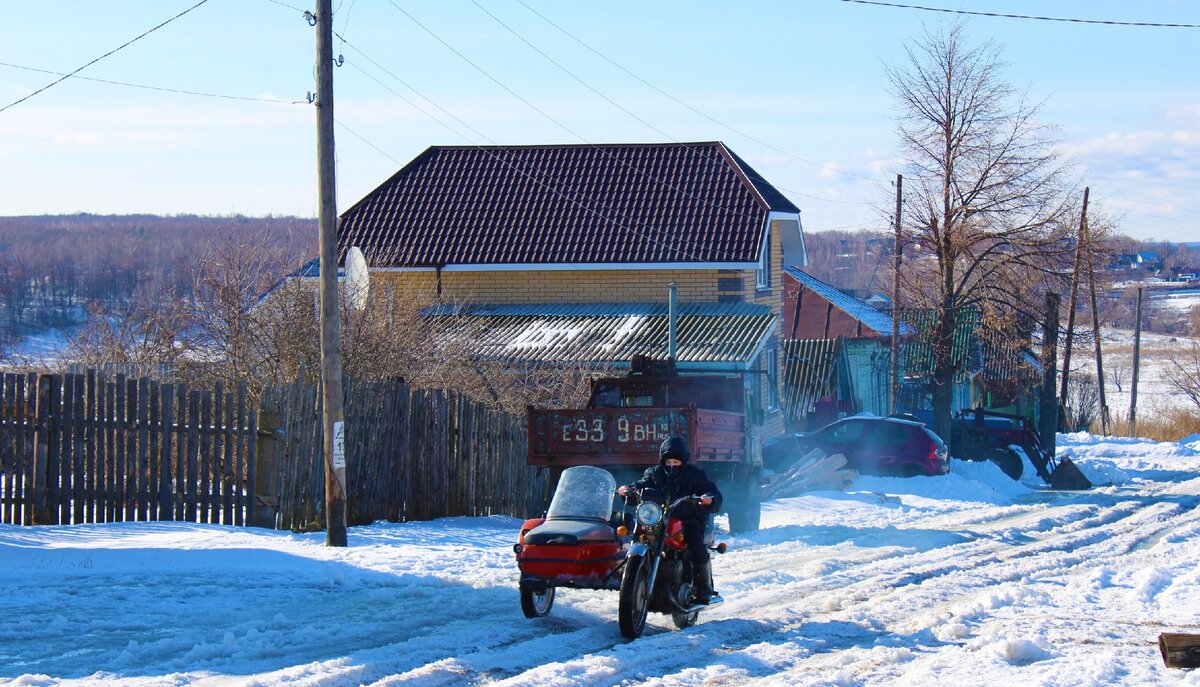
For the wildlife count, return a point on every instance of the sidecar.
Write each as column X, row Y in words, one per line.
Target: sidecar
column 575, row 545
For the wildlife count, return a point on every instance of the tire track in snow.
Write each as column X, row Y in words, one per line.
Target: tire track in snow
column 898, row 589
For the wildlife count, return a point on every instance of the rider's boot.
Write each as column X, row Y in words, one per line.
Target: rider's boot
column 703, row 589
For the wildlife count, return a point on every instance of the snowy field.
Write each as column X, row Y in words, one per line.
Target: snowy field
column 964, row 579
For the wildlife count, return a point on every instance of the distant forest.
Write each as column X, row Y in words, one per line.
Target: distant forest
column 54, row 269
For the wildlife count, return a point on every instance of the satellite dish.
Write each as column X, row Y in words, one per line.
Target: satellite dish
column 358, row 279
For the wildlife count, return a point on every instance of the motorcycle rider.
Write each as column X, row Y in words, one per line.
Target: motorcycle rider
column 675, row 476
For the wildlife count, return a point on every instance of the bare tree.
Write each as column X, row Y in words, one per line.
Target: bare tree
column 1186, row 379
column 985, row 210
column 1083, row 400
column 228, row 334
column 145, row 333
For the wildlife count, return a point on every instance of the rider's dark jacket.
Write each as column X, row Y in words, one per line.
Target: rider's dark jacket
column 684, row 480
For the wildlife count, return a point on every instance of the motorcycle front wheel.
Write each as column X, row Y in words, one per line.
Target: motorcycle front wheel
column 634, row 602
column 536, row 603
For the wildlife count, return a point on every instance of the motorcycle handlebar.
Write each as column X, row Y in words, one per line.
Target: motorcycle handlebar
column 637, row 496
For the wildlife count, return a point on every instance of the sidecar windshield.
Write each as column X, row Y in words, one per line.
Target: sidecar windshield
column 583, row 492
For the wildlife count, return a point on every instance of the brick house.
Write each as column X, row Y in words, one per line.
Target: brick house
column 565, row 252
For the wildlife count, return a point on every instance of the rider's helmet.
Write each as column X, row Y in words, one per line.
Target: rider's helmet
column 673, row 447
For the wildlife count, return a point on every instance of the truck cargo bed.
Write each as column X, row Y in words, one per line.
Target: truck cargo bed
column 631, row 436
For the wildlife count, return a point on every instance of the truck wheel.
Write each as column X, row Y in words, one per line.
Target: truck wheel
column 536, row 603
column 745, row 505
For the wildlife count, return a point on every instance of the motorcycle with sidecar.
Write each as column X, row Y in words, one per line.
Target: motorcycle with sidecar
column 586, row 543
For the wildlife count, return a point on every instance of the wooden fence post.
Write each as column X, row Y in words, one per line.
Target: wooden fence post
column 41, row 456
column 269, row 452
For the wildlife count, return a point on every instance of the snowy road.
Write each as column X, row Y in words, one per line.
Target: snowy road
column 967, row 579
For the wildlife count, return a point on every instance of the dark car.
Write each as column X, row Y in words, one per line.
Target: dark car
column 873, row 445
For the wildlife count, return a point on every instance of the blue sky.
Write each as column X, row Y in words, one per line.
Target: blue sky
column 795, row 88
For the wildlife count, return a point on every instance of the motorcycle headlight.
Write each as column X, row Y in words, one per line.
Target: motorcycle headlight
column 648, row 514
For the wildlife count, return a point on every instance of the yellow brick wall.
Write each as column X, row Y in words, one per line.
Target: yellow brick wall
column 554, row 286
column 595, row 286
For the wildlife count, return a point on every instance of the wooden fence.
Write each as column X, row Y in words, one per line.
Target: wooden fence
column 82, row 448
column 411, row 454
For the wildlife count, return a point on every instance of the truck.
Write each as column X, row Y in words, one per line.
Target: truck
column 627, row 418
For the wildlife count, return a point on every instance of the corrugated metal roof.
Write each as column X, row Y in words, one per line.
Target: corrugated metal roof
column 708, row 335
column 917, row 355
column 565, row 204
column 876, row 320
column 809, row 373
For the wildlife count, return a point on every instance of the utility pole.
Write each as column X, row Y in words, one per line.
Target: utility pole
column 897, row 251
column 1091, row 259
column 1137, row 358
column 332, row 416
column 1049, row 414
column 1066, row 367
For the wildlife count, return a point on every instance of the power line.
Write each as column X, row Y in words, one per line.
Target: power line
column 622, row 108
column 1025, row 16
column 608, row 214
column 1153, row 205
column 152, row 88
column 550, row 117
column 686, row 105
column 110, row 52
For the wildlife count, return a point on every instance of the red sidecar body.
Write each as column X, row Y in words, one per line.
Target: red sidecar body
column 576, row 545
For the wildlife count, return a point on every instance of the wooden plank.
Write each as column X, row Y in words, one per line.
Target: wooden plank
column 28, row 444
column 143, row 449
column 179, row 464
column 154, row 447
column 77, row 448
column 42, row 452
column 1180, row 650
column 251, row 454
column 243, row 483
column 10, row 450
column 89, row 453
column 112, row 459
column 130, row 458
column 119, row 451
column 218, row 453
column 100, row 492
column 192, row 458
column 227, row 474
column 166, row 472
column 205, row 456
column 54, row 460
column 66, row 436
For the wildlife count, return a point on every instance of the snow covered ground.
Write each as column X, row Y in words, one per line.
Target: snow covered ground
column 965, row 579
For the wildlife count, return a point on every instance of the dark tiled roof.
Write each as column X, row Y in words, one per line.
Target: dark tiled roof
column 568, row 204
column 723, row 335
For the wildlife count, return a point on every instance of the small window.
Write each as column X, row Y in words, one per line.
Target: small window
column 637, row 401
column 762, row 276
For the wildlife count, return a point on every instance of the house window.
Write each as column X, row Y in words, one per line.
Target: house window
column 762, row 276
